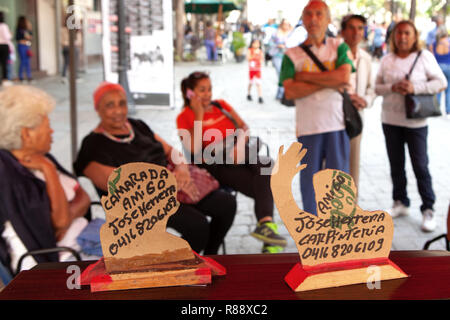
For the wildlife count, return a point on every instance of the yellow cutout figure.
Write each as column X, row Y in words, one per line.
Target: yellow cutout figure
column 338, row 244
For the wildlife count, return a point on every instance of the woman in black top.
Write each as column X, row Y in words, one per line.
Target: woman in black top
column 23, row 38
column 118, row 140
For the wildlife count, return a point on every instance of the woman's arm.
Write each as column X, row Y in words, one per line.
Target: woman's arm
column 436, row 79
column 175, row 156
column 239, row 121
column 79, row 204
column 59, row 206
column 181, row 171
column 382, row 88
column 98, row 173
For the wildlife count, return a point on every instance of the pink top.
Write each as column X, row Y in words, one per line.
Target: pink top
column 5, row 34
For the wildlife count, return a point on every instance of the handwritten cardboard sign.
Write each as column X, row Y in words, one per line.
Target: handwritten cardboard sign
column 141, row 198
column 342, row 235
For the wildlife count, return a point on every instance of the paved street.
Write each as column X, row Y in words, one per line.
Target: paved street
column 274, row 123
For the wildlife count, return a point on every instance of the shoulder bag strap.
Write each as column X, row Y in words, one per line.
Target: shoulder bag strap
column 225, row 112
column 414, row 64
column 313, row 57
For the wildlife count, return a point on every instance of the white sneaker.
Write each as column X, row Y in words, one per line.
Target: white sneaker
column 428, row 221
column 398, row 209
column 7, row 83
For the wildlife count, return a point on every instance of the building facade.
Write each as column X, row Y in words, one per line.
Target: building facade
column 47, row 18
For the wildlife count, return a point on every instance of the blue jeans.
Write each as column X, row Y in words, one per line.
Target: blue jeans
column 211, row 50
column 446, row 70
column 5, row 275
column 331, row 147
column 416, row 138
column 24, row 61
column 276, row 61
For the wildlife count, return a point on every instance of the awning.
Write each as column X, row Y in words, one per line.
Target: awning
column 209, row 6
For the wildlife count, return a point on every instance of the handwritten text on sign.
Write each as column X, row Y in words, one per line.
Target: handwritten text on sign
column 341, row 230
column 144, row 199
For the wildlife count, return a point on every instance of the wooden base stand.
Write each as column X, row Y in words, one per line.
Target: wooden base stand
column 339, row 274
column 195, row 272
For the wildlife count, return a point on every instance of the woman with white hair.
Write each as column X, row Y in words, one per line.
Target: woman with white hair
column 41, row 203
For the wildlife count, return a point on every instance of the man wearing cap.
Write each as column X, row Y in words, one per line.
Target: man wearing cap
column 319, row 113
column 361, row 88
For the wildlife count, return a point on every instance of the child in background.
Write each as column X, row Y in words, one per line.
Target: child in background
column 255, row 58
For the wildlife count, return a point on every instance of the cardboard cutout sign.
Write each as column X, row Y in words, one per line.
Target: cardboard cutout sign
column 140, row 200
column 138, row 252
column 338, row 244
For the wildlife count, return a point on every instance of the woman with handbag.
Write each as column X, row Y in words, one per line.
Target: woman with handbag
column 118, row 140
column 24, row 36
column 217, row 137
column 408, row 71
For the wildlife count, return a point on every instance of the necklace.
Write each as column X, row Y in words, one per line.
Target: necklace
column 127, row 139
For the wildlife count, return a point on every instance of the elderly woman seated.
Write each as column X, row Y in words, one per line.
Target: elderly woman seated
column 42, row 205
column 118, row 140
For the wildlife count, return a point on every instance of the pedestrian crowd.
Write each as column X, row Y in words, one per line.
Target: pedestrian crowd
column 44, row 206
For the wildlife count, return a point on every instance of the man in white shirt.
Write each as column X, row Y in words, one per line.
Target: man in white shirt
column 319, row 113
column 361, row 82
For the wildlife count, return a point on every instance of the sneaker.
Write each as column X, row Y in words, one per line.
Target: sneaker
column 398, row 209
column 7, row 83
column 268, row 232
column 428, row 220
column 267, row 248
column 249, row 97
column 260, row 100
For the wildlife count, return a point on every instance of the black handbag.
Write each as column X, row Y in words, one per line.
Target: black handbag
column 421, row 106
column 352, row 118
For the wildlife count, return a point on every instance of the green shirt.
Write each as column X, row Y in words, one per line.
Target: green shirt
column 343, row 57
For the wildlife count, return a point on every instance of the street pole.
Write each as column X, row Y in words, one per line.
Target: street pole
column 412, row 12
column 73, row 89
column 123, row 56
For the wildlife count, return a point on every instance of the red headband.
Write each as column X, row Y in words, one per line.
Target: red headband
column 104, row 88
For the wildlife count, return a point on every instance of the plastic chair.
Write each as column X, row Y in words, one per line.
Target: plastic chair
column 446, row 236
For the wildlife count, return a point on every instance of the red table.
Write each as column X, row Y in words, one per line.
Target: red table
column 249, row 277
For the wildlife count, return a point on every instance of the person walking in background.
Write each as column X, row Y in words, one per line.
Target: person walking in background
column 66, row 50
column 255, row 59
column 391, row 83
column 23, row 37
column 5, row 44
column 379, row 39
column 319, row 113
column 361, row 83
column 438, row 29
column 210, row 42
column 269, row 29
column 441, row 50
column 277, row 48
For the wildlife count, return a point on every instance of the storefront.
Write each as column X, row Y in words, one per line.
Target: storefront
column 47, row 18
column 12, row 11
